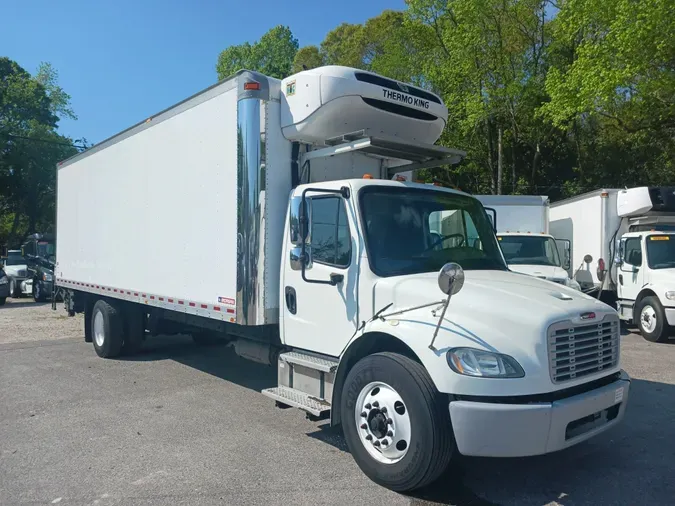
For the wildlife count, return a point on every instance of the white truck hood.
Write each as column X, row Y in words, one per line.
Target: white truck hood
column 498, row 311
column 550, row 272
column 14, row 270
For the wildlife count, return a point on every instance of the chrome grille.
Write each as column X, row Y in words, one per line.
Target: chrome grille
column 22, row 273
column 579, row 350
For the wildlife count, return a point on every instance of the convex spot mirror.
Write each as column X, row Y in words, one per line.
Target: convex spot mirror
column 451, row 278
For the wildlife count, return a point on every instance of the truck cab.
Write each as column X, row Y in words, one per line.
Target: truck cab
column 537, row 255
column 39, row 250
column 646, row 281
column 522, row 225
column 16, row 268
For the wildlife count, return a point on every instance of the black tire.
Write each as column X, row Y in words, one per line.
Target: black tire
column 14, row 292
column 661, row 330
column 39, row 292
column 3, row 300
column 134, row 332
column 112, row 336
column 88, row 330
column 431, row 431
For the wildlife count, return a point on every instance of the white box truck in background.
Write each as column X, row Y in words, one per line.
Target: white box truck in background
column 523, row 234
column 623, row 246
column 263, row 212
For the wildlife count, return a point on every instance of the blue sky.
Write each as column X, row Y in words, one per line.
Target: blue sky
column 124, row 60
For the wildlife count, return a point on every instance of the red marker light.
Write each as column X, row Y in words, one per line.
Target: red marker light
column 251, row 85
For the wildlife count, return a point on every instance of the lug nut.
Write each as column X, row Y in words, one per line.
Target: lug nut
column 385, row 442
column 368, row 406
column 369, row 437
column 384, row 409
column 364, row 425
column 376, row 404
column 376, row 443
column 390, row 421
column 390, row 434
column 364, row 414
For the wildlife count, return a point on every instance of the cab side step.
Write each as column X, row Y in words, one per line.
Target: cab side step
column 305, row 382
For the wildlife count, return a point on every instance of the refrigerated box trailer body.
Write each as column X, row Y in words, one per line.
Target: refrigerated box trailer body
column 614, row 235
column 264, row 212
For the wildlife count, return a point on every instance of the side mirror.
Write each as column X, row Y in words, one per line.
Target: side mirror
column 588, row 259
column 451, row 278
column 304, row 219
column 492, row 216
column 298, row 260
column 566, row 247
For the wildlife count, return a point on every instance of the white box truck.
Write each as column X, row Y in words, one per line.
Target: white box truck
column 263, row 212
column 623, row 247
column 522, row 223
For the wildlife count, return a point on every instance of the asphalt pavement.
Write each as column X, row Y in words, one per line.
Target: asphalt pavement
column 180, row 424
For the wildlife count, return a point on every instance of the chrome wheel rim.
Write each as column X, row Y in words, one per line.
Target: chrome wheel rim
column 383, row 422
column 648, row 319
column 99, row 334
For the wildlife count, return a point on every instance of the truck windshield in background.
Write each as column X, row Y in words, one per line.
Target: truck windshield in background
column 46, row 249
column 529, row 250
column 14, row 259
column 410, row 231
column 661, row 251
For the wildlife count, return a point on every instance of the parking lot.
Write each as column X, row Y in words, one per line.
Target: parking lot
column 180, row 424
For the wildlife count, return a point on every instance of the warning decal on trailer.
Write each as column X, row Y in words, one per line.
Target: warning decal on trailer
column 226, row 300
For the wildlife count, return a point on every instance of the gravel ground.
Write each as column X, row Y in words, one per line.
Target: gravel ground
column 180, row 424
column 24, row 320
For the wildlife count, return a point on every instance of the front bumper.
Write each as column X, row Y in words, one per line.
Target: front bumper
column 670, row 315
column 519, row 430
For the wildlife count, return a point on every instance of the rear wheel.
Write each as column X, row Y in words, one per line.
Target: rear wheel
column 107, row 329
column 651, row 319
column 396, row 424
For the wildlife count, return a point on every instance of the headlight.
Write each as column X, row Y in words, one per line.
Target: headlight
column 484, row 364
column 4, row 280
column 670, row 295
column 46, row 277
column 571, row 283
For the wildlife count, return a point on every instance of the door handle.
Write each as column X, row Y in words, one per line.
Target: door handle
column 336, row 278
column 291, row 300
column 621, row 279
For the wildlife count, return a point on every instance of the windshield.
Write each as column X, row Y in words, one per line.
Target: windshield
column 15, row 259
column 529, row 250
column 660, row 251
column 411, row 230
column 46, row 249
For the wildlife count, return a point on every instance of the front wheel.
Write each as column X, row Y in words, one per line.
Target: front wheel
column 396, row 424
column 652, row 320
column 14, row 289
column 3, row 300
column 39, row 292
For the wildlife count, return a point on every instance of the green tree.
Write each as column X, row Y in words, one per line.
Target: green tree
column 30, row 148
column 272, row 55
column 307, row 57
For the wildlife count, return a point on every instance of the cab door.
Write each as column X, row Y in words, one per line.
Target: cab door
column 630, row 272
column 320, row 310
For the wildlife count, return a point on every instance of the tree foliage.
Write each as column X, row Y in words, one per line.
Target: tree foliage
column 30, row 148
column 272, row 55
